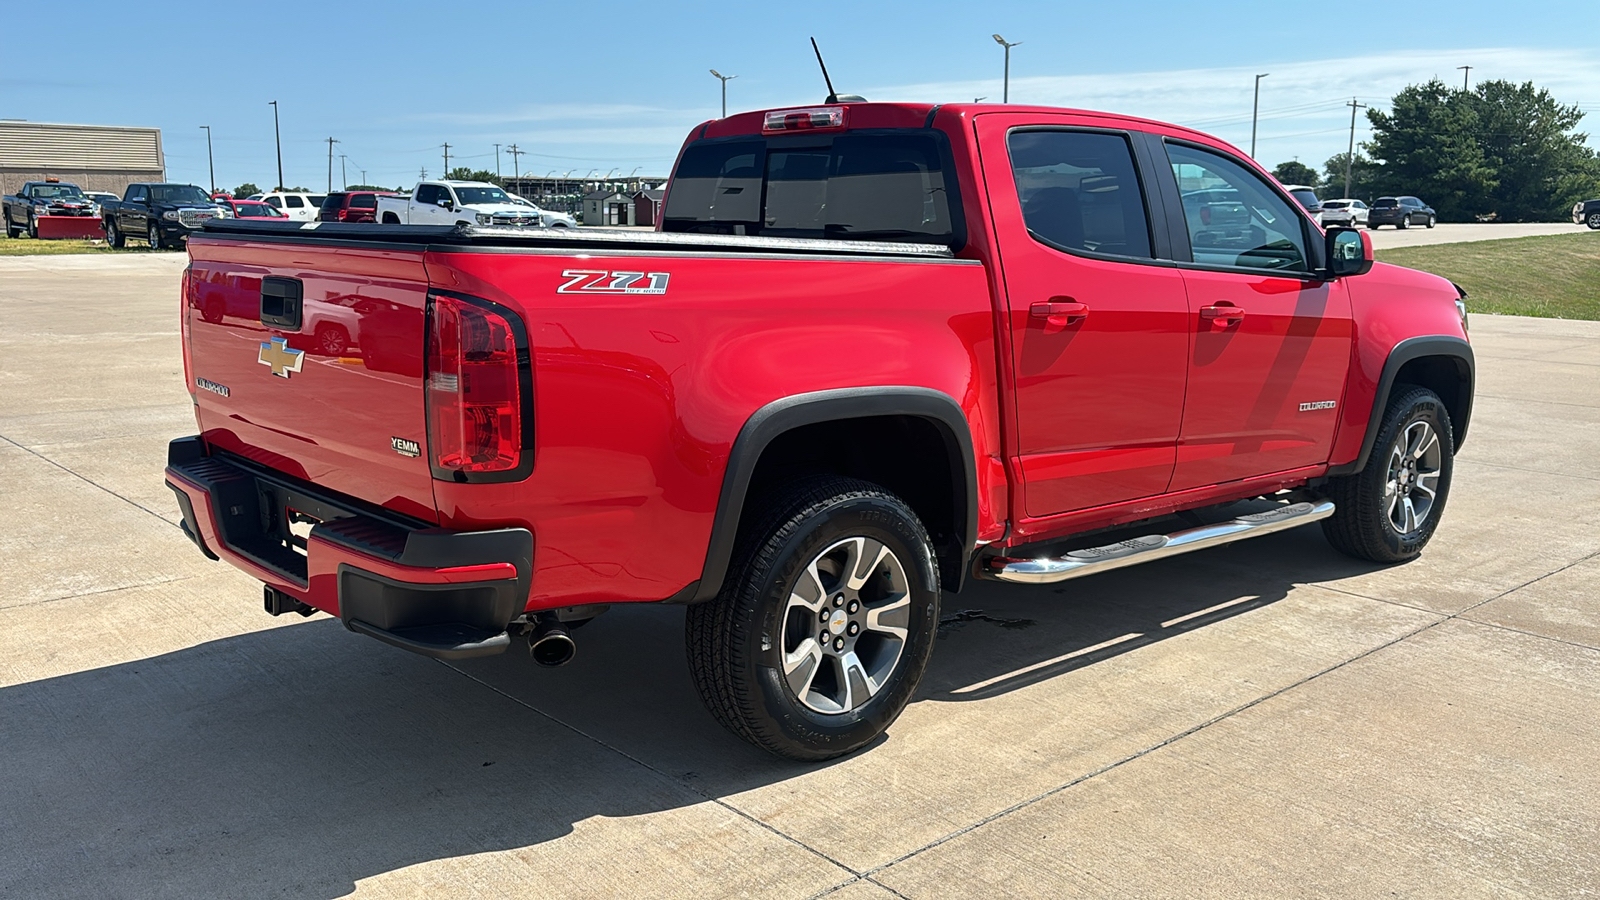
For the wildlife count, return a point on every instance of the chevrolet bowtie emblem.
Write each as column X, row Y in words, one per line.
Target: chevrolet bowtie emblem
column 276, row 355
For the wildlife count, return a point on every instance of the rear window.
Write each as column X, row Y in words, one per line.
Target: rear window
column 316, row 199
column 1335, row 204
column 1385, row 203
column 869, row 185
column 333, row 201
column 364, row 201
column 1308, row 199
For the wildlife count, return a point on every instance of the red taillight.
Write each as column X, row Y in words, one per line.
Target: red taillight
column 802, row 119
column 474, row 391
column 344, row 214
column 186, row 302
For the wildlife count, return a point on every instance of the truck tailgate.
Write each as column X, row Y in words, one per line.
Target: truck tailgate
column 332, row 395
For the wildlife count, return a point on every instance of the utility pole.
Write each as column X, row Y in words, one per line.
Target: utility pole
column 1465, row 71
column 422, row 174
column 331, row 142
column 277, row 137
column 1349, row 157
column 1005, row 90
column 210, row 161
column 497, row 160
column 516, row 166
column 1255, row 112
column 344, row 180
column 447, row 159
column 724, row 79
column 364, row 177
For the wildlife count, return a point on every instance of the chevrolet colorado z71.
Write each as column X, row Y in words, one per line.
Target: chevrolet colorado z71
column 874, row 350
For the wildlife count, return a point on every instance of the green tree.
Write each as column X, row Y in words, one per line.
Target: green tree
column 245, row 190
column 1427, row 145
column 1362, row 174
column 1295, row 172
column 1540, row 164
column 367, row 187
column 462, row 173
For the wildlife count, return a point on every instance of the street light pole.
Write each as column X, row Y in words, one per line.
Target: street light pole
column 1350, row 155
column 1255, row 112
column 277, row 137
column 210, row 161
column 344, row 179
column 497, row 160
column 1005, row 90
column 724, row 79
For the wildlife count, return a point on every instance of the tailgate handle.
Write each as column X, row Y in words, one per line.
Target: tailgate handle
column 280, row 302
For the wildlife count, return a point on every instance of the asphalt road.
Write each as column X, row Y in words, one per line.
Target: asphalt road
column 1267, row 719
column 1388, row 237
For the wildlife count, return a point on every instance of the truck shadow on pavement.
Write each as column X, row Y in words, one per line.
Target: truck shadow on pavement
column 300, row 760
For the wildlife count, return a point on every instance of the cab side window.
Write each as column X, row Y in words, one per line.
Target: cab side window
column 1080, row 192
column 1234, row 218
column 427, row 195
column 137, row 193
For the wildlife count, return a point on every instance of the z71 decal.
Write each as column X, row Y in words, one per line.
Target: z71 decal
column 593, row 281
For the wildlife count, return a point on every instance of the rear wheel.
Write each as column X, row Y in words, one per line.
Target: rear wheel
column 825, row 624
column 11, row 230
column 1388, row 511
column 1405, row 221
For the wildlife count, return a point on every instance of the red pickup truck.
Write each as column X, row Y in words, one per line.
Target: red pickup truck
column 872, row 352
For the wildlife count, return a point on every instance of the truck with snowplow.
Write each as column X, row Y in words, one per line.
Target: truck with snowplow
column 873, row 353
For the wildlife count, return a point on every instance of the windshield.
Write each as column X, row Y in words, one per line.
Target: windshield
column 474, row 195
column 1307, row 198
column 178, row 193
column 869, row 185
column 57, row 191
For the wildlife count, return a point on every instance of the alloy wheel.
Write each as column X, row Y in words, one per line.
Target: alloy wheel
column 1412, row 484
column 845, row 625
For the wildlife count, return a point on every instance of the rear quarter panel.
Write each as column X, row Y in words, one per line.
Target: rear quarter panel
column 638, row 398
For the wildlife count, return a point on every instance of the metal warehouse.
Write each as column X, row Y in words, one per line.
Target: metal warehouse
column 94, row 157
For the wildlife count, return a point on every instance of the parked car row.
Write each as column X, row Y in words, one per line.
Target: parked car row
column 1401, row 212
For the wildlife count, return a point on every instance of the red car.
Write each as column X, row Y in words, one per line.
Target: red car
column 250, row 209
column 351, row 206
column 875, row 351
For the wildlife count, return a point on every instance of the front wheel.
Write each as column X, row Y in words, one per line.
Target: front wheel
column 825, row 624
column 153, row 236
column 114, row 234
column 1432, row 221
column 1594, row 221
column 33, row 227
column 1388, row 511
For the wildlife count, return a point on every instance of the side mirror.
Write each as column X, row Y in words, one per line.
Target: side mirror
column 444, row 202
column 1349, row 252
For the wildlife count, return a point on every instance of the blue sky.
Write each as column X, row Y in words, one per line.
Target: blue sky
column 616, row 85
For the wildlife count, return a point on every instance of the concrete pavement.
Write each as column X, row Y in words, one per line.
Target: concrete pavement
column 1265, row 719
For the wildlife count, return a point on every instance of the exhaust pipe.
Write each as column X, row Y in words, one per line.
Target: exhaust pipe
column 549, row 642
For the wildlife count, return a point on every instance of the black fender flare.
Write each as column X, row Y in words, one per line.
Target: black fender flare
column 1404, row 352
column 788, row 413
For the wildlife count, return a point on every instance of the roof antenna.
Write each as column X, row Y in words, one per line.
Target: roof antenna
column 832, row 97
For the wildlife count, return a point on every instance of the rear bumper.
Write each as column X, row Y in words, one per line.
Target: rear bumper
column 440, row 593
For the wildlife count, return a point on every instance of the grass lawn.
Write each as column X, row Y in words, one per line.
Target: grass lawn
column 1555, row 276
column 31, row 247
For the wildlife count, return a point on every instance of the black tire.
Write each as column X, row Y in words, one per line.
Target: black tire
column 1432, row 221
column 153, row 235
column 332, row 340
column 1362, row 525
column 737, row 642
column 114, row 235
column 214, row 310
column 11, row 230
column 33, row 227
column 1371, row 227
column 1405, row 221
column 1594, row 221
column 391, row 219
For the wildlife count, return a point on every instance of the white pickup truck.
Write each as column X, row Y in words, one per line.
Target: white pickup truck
column 466, row 203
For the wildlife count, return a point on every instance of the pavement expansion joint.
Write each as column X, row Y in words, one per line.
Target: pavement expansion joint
column 135, row 504
column 660, row 774
column 109, row 590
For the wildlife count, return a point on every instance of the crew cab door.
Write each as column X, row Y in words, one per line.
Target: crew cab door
column 1271, row 340
column 425, row 204
column 1098, row 322
column 135, row 208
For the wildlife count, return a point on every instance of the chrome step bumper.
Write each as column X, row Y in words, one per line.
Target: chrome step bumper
column 1148, row 548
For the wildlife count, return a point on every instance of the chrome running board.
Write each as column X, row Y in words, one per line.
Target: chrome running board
column 1150, row 547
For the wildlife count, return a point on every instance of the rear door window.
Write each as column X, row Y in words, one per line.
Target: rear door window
column 294, row 201
column 1080, row 192
column 275, row 202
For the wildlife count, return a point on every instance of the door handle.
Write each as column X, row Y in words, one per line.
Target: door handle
column 1222, row 312
column 1059, row 312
